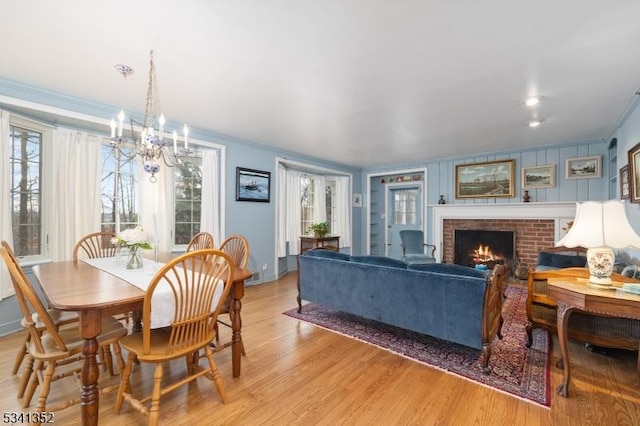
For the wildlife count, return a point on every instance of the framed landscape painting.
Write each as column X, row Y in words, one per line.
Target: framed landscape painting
column 534, row 177
column 624, row 182
column 252, row 185
column 584, row 167
column 485, row 180
column 634, row 174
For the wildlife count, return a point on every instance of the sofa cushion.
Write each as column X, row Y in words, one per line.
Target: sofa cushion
column 380, row 261
column 557, row 260
column 328, row 254
column 449, row 268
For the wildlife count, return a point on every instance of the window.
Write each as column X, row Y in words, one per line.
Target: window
column 330, row 202
column 307, row 202
column 405, row 207
column 26, row 190
column 308, row 194
column 120, row 206
column 188, row 199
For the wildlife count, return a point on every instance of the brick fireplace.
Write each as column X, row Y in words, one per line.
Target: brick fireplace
column 531, row 235
column 536, row 225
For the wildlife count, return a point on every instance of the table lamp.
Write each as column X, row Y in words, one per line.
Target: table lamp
column 599, row 226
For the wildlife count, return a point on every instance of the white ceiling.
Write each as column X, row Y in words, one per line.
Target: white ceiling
column 358, row 82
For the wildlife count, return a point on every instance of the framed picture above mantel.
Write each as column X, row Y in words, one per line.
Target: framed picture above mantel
column 534, row 177
column 584, row 167
column 485, row 180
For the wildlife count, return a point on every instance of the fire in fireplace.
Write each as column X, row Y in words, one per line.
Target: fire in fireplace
column 486, row 248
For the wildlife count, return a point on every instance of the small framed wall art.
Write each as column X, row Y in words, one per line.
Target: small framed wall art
column 534, row 177
column 252, row 185
column 624, row 182
column 584, row 167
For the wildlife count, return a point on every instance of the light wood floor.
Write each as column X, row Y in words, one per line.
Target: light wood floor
column 295, row 373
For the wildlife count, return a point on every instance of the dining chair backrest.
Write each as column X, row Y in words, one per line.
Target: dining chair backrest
column 196, row 280
column 30, row 303
column 202, row 240
column 13, row 257
column 95, row 245
column 237, row 247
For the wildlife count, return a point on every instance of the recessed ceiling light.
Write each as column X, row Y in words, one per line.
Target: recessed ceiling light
column 123, row 69
column 535, row 122
column 532, row 101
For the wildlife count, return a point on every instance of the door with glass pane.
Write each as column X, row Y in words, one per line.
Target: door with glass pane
column 404, row 211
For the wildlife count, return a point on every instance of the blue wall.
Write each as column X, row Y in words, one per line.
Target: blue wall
column 440, row 176
column 628, row 135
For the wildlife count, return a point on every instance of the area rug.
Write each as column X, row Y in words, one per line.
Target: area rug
column 515, row 370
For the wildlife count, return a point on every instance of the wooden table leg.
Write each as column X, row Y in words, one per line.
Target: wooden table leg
column 136, row 318
column 91, row 324
column 236, row 325
column 564, row 311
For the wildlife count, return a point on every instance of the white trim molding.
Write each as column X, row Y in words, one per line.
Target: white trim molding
column 560, row 213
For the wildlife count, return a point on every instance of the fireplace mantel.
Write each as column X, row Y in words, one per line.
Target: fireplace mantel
column 560, row 213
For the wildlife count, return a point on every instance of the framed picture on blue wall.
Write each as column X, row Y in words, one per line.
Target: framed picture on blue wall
column 534, row 177
column 252, row 185
column 634, row 174
column 584, row 167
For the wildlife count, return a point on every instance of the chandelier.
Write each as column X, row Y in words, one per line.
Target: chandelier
column 151, row 147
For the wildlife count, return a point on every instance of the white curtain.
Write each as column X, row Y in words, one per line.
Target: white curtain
column 281, row 242
column 319, row 201
column 155, row 204
column 76, row 174
column 343, row 210
column 6, row 288
column 293, row 211
column 210, row 208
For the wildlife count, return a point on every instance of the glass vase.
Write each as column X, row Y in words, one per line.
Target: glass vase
column 134, row 259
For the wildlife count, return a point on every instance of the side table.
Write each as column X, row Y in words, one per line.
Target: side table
column 574, row 293
column 330, row 242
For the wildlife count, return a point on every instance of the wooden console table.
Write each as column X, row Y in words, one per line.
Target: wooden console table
column 573, row 293
column 330, row 242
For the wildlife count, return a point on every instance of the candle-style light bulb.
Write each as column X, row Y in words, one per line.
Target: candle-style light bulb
column 175, row 142
column 161, row 122
column 121, row 120
column 113, row 128
column 185, row 130
column 143, row 137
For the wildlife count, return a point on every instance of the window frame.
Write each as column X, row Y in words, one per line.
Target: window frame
column 46, row 196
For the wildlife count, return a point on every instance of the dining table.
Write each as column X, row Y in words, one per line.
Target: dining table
column 95, row 293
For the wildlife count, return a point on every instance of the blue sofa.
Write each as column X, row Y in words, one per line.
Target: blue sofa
column 446, row 301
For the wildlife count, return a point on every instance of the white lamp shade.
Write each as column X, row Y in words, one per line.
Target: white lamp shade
column 601, row 224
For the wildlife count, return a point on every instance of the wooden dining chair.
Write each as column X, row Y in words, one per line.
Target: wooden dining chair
column 197, row 281
column 60, row 318
column 95, row 245
column 237, row 247
column 50, row 346
column 99, row 245
column 202, row 240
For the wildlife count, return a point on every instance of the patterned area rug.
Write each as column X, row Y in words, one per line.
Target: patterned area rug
column 515, row 370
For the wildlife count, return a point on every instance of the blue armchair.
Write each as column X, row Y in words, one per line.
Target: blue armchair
column 414, row 249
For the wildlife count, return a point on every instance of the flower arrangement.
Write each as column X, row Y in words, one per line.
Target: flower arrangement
column 319, row 229
column 135, row 239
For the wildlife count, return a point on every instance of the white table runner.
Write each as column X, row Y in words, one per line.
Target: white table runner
column 162, row 304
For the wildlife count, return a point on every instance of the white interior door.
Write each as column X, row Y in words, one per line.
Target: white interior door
column 404, row 211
